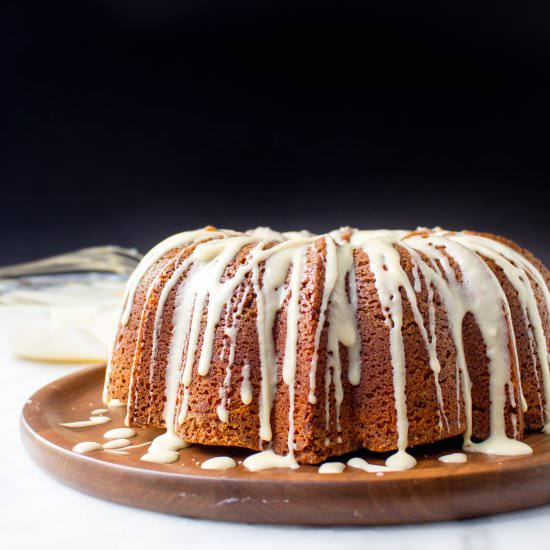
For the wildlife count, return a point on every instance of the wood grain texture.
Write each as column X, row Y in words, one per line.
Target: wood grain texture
column 432, row 491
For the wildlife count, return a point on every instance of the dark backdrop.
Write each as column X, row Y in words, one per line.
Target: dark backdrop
column 126, row 122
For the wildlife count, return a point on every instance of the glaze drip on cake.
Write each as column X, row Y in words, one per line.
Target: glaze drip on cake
column 305, row 347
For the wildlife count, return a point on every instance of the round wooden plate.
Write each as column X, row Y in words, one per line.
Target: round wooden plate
column 430, row 492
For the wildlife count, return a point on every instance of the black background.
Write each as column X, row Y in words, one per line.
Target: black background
column 128, row 121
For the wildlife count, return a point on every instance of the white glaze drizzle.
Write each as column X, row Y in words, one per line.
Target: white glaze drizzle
column 331, row 274
column 480, row 294
column 331, row 468
column 354, row 351
column 161, row 457
column 136, row 446
column 453, row 458
column 154, row 255
column 362, row 464
column 231, row 333
column 219, row 463
column 518, row 270
column 246, row 387
column 116, row 403
column 270, row 296
column 99, row 411
column 342, row 327
column 291, row 342
column 117, row 443
column 182, row 315
column 92, row 421
column 168, row 441
column 385, row 264
column 87, row 447
column 268, row 460
column 118, row 433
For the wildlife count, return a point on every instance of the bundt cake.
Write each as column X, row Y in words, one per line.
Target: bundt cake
column 307, row 347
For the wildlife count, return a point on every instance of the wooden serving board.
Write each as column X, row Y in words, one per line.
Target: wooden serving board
column 432, row 491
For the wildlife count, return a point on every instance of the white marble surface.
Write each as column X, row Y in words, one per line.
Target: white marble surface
column 38, row 512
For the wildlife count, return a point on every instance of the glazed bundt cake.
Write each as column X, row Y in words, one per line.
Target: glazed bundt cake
column 307, row 347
